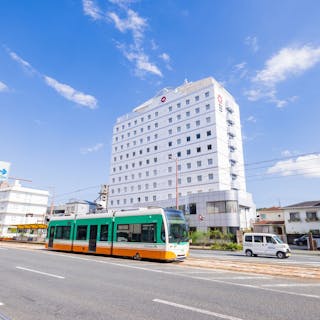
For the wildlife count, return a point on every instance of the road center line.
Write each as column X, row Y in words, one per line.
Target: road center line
column 40, row 272
column 203, row 311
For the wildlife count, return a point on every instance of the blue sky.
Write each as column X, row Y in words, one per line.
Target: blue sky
column 69, row 68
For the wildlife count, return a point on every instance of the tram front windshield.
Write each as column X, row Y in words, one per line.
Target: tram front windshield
column 177, row 226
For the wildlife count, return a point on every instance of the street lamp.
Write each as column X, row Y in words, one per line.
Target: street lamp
column 171, row 157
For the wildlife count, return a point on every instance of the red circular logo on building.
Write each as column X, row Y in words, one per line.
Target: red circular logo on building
column 219, row 99
column 163, row 99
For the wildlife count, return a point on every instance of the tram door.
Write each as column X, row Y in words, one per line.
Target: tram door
column 51, row 236
column 93, row 238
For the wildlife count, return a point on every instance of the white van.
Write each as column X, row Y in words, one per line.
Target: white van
column 266, row 244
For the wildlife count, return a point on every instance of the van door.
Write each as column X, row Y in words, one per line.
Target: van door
column 270, row 248
column 258, row 245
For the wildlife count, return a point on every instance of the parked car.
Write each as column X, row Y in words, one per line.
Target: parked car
column 303, row 240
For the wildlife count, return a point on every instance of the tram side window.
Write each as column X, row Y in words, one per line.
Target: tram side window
column 148, row 232
column 136, row 232
column 63, row 232
column 82, row 232
column 104, row 233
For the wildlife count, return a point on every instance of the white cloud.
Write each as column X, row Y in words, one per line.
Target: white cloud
column 165, row 57
column 25, row 64
column 133, row 23
column 308, row 166
column 252, row 42
column 95, row 148
column 252, row 119
column 240, row 70
column 91, row 9
column 71, row 94
column 3, row 87
column 287, row 62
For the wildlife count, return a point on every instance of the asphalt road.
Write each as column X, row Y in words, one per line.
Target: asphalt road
column 37, row 284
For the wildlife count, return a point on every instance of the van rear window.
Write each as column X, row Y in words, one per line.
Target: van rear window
column 248, row 239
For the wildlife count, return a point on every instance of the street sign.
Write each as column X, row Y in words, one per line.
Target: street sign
column 4, row 170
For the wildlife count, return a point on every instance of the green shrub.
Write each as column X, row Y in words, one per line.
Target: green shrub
column 230, row 246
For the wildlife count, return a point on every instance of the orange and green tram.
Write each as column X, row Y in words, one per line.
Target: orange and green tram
column 142, row 233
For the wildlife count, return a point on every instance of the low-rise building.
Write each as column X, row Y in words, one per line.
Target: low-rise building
column 302, row 218
column 20, row 206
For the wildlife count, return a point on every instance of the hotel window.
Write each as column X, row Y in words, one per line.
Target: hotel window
column 127, row 167
column 155, row 148
column 208, row 119
column 140, row 163
column 131, row 200
column 133, row 165
column 127, row 155
column 141, row 141
column 139, row 187
column 140, row 151
column 134, row 142
column 170, row 120
column 156, row 125
column 148, row 138
column 189, row 179
column 208, row 133
column 148, row 150
column 188, row 114
column 118, row 202
column 198, row 149
column 199, row 178
column 179, row 167
column 179, row 141
column 132, row 176
column 188, row 139
column 125, row 189
column 117, row 129
column 119, row 179
column 198, row 123
column 199, row 163
column 149, row 116
column 169, row 169
column 128, row 134
column 135, row 121
column 170, row 108
column 119, row 190
column 125, row 178
column 170, row 196
column 179, row 117
column 117, row 139
column 169, row 183
column 179, row 181
column 133, row 153
column 124, row 201
column 178, row 129
column 170, row 131
column 154, row 198
column 142, row 119
column 114, row 169
column 155, row 172
column 187, row 101
column 210, row 162
column 146, row 199
column 122, row 126
column 198, row 135
column 210, row 176
column 209, row 146
column 207, row 107
column 141, row 130
column 188, row 151
column 156, row 114
column 149, row 127
column 147, row 173
column 179, row 154
column 197, row 98
column 115, row 148
column 178, row 105
column 156, row 136
column 135, row 132
column 154, row 185
column 189, row 165
column 113, row 180
column 170, row 143
column 197, row 110
column 188, row 126
column 155, row 160
column 206, row 94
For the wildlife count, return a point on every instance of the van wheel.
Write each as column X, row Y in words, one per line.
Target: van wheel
column 249, row 253
column 137, row 256
column 280, row 255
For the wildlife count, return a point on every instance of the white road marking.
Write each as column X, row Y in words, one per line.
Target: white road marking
column 40, row 272
column 203, row 311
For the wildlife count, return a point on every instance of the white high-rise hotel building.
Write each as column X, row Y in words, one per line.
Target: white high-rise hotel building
column 192, row 135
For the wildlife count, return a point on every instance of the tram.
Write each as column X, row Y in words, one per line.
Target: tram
column 142, row 233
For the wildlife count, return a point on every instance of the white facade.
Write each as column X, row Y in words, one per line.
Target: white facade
column 20, row 205
column 302, row 218
column 197, row 125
